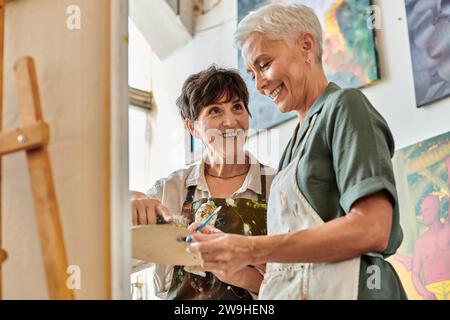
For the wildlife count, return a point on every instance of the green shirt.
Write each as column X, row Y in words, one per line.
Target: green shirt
column 347, row 157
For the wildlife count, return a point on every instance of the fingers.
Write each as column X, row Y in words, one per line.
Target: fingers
column 201, row 237
column 204, row 243
column 208, row 229
column 141, row 213
column 138, row 212
column 164, row 212
column 215, row 256
column 134, row 216
column 150, row 213
column 145, row 210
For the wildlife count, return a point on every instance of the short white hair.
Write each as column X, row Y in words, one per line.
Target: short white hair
column 281, row 22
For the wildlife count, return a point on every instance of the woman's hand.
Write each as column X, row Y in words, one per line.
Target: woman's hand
column 221, row 253
column 208, row 229
column 248, row 278
column 145, row 210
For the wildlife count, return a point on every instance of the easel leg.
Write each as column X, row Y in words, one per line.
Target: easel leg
column 47, row 217
column 2, row 35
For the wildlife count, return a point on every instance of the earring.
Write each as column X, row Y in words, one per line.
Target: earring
column 308, row 60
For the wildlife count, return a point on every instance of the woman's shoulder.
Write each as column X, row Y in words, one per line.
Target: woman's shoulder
column 176, row 179
column 350, row 104
column 183, row 173
column 346, row 98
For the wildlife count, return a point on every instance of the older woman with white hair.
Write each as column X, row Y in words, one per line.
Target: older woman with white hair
column 333, row 213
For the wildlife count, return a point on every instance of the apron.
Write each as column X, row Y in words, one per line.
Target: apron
column 238, row 216
column 289, row 211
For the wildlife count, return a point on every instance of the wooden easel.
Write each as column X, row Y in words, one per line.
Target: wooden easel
column 33, row 138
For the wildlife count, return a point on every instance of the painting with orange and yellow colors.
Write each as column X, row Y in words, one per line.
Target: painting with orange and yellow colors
column 349, row 55
column 422, row 174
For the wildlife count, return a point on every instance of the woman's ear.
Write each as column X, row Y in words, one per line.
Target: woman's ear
column 189, row 124
column 307, row 44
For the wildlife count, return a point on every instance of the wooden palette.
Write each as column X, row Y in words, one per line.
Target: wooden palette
column 160, row 244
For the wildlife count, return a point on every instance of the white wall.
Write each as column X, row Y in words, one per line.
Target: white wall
column 393, row 96
column 139, row 73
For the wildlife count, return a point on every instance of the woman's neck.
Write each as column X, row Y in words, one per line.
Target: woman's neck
column 317, row 86
column 223, row 167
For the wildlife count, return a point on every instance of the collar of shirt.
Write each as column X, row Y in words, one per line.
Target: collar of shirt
column 320, row 101
column 315, row 108
column 252, row 181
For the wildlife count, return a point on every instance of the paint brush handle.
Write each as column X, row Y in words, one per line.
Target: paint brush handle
column 204, row 223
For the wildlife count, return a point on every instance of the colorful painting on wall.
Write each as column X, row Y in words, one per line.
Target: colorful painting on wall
column 429, row 30
column 349, row 59
column 422, row 173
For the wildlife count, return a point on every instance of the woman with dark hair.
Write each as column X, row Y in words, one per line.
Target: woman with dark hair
column 214, row 107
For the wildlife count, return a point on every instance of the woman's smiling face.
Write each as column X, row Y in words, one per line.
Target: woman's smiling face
column 280, row 70
column 223, row 127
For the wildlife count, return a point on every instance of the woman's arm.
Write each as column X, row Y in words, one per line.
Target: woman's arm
column 365, row 228
column 247, row 278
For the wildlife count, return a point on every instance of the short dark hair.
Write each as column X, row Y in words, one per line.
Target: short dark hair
column 207, row 87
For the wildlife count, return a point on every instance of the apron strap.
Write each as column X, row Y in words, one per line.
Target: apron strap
column 294, row 141
column 263, row 195
column 190, row 195
column 186, row 210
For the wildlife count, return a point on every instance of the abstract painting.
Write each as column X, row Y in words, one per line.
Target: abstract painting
column 422, row 173
column 350, row 57
column 429, row 37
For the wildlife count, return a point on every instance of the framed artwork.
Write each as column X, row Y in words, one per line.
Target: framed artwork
column 350, row 57
column 429, row 30
column 422, row 173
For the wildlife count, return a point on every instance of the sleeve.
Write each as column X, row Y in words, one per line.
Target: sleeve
column 362, row 147
column 156, row 191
